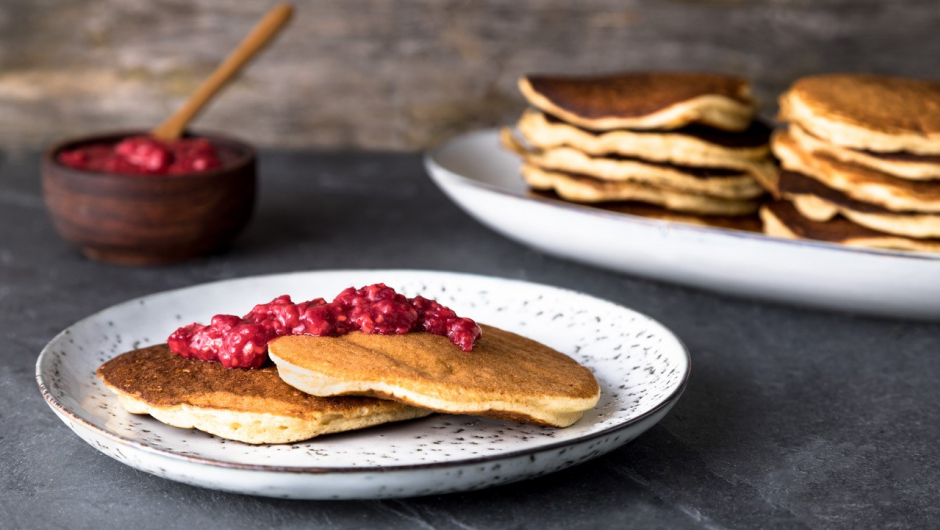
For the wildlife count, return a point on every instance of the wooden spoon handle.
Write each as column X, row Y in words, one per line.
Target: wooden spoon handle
column 260, row 35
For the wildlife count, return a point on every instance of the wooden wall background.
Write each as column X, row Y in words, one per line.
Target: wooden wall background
column 384, row 74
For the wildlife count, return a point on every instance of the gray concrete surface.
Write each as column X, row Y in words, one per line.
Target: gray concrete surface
column 792, row 418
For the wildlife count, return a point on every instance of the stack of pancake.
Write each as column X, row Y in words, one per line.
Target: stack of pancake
column 686, row 143
column 861, row 162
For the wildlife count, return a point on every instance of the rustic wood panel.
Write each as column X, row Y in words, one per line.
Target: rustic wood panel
column 402, row 74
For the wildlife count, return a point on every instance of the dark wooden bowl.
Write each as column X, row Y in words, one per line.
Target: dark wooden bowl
column 140, row 220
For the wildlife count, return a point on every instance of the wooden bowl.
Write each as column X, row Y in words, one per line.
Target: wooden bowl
column 142, row 220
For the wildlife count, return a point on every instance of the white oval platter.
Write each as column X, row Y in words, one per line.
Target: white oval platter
column 483, row 179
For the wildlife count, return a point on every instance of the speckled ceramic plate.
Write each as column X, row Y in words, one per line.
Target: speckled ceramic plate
column 483, row 179
column 641, row 366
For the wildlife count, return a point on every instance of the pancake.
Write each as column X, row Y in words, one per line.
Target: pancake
column 725, row 183
column 817, row 202
column 795, row 184
column 858, row 182
column 582, row 188
column 506, row 376
column 870, row 112
column 781, row 219
column 749, row 223
column 644, row 100
column 251, row 406
column 814, row 208
column 692, row 145
column 722, row 183
column 903, row 165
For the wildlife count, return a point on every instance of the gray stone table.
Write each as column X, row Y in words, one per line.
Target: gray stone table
column 792, row 418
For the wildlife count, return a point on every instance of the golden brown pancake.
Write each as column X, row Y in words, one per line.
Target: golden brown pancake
column 251, row 406
column 747, row 223
column 902, row 165
column 693, row 145
column 818, row 202
column 587, row 189
column 782, row 219
column 643, row 100
column 794, row 184
column 864, row 111
column 506, row 375
column 858, row 182
column 723, row 183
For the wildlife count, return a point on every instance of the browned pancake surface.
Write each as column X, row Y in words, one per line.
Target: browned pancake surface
column 858, row 174
column 699, row 172
column 795, row 183
column 501, row 363
column 161, row 378
column 836, row 230
column 747, row 223
column 856, row 178
column 900, row 156
column 633, row 95
column 886, row 104
column 756, row 135
column 897, row 156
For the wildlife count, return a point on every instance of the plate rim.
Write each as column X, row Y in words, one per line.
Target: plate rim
column 61, row 409
column 432, row 155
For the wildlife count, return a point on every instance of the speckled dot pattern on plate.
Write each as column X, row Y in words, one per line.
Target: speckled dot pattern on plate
column 640, row 365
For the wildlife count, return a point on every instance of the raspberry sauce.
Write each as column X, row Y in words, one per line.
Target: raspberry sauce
column 144, row 155
column 243, row 342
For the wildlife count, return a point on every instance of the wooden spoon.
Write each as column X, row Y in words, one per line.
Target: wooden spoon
column 260, row 35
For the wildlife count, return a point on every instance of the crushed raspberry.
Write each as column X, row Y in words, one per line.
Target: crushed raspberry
column 375, row 309
column 144, row 155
